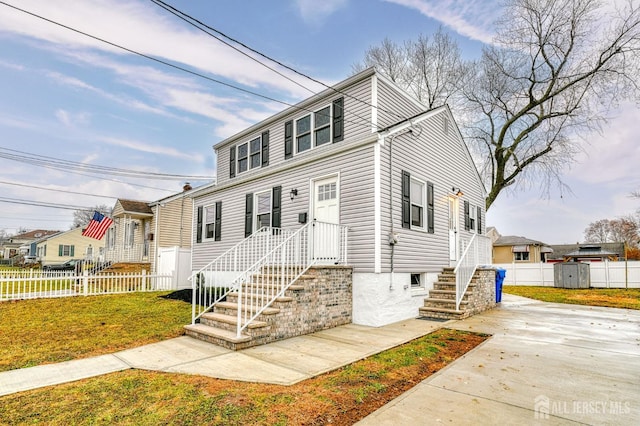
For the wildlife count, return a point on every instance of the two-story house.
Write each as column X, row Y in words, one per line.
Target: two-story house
column 364, row 155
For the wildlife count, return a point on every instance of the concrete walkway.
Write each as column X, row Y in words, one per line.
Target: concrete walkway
column 546, row 364
column 285, row 362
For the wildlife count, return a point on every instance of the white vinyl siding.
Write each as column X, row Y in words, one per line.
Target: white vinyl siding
column 356, row 198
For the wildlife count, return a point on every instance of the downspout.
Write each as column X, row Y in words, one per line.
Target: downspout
column 391, row 199
column 155, row 238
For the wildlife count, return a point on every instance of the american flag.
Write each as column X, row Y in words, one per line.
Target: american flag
column 98, row 226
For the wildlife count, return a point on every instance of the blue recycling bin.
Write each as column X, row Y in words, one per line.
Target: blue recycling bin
column 500, row 274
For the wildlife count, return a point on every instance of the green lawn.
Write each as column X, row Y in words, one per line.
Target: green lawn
column 42, row 331
column 608, row 297
column 340, row 397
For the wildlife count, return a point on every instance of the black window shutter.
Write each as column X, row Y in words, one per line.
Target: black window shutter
column 406, row 199
column 276, row 210
column 338, row 120
column 430, row 209
column 467, row 219
column 218, row 226
column 71, row 251
column 288, row 139
column 232, row 162
column 248, row 215
column 199, row 228
column 479, row 220
column 265, row 148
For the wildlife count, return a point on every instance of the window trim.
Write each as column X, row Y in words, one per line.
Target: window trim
column 515, row 253
column 262, row 140
column 313, row 129
column 205, row 223
column 423, row 210
column 256, row 212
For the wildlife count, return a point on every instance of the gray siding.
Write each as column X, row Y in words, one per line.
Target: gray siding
column 357, row 124
column 393, row 106
column 356, row 204
column 432, row 157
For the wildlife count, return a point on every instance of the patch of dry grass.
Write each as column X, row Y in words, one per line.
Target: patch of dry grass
column 43, row 331
column 607, row 297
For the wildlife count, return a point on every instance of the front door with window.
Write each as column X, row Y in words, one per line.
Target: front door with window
column 454, row 219
column 326, row 210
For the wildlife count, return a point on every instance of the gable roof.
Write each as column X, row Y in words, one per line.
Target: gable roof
column 32, row 235
column 133, row 206
column 561, row 250
column 302, row 105
column 513, row 240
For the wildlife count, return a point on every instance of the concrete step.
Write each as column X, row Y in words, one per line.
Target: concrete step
column 225, row 338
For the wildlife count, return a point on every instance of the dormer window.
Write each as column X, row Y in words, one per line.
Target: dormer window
column 319, row 127
column 249, row 155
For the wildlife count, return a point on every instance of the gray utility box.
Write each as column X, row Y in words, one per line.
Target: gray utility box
column 571, row 275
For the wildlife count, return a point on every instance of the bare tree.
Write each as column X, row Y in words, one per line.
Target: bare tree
column 556, row 70
column 430, row 68
column 598, row 232
column 83, row 217
column 624, row 229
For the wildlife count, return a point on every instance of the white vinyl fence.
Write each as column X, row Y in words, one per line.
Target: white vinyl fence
column 37, row 284
column 603, row 274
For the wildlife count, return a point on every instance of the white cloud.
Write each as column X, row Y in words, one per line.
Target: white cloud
column 11, row 66
column 70, row 119
column 141, row 27
column 314, row 12
column 153, row 149
column 470, row 18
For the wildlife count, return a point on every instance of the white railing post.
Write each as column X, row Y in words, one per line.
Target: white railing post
column 85, row 283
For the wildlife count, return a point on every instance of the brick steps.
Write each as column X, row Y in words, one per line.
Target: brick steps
column 299, row 311
column 441, row 303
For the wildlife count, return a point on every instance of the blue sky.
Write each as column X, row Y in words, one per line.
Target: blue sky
column 67, row 96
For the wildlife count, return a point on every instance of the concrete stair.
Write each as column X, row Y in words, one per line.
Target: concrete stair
column 441, row 303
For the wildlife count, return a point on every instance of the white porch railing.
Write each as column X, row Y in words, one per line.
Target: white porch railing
column 123, row 253
column 211, row 283
column 474, row 253
column 265, row 280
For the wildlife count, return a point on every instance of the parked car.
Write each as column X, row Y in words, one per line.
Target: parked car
column 69, row 265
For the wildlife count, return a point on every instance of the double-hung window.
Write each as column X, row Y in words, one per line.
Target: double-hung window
column 243, row 155
column 417, row 203
column 472, row 218
column 209, row 224
column 263, row 209
column 210, row 221
column 66, row 250
column 249, row 155
column 313, row 129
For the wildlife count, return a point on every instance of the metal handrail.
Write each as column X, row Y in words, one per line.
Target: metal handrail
column 213, row 282
column 476, row 253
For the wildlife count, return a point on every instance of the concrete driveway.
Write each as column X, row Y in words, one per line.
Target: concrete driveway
column 546, row 364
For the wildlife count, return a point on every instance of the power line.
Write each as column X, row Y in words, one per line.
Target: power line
column 160, row 61
column 186, row 17
column 56, row 190
column 42, row 204
column 65, row 164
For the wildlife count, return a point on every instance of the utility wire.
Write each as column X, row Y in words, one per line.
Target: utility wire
column 65, row 164
column 42, row 204
column 160, row 61
column 187, row 16
column 57, row 190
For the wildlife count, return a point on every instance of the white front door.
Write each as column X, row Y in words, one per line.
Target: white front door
column 326, row 211
column 454, row 219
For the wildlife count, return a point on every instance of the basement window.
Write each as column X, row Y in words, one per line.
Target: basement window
column 416, row 281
